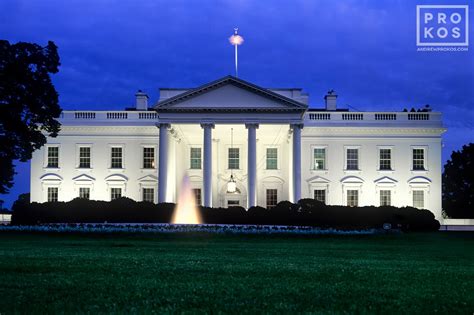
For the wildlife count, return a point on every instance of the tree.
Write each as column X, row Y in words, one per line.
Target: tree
column 458, row 183
column 28, row 103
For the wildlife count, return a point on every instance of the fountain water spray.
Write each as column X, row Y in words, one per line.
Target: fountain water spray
column 186, row 211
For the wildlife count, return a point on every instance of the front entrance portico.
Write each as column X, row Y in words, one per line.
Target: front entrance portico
column 263, row 122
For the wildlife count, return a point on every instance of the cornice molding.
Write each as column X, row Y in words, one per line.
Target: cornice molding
column 350, row 131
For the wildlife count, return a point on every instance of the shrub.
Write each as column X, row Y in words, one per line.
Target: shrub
column 307, row 212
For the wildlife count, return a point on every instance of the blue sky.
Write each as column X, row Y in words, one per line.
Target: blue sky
column 365, row 50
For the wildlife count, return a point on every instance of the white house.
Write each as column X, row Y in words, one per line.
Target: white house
column 267, row 140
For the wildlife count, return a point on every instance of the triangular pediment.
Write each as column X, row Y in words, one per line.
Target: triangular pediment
column 318, row 179
column 148, row 178
column 229, row 94
column 83, row 178
column 385, row 180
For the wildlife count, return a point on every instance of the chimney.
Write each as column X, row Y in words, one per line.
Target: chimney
column 141, row 100
column 330, row 99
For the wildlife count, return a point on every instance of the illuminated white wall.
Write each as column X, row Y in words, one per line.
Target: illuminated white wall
column 333, row 130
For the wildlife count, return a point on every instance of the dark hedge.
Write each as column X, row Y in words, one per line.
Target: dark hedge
column 307, row 212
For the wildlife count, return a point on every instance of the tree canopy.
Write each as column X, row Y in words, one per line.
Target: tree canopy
column 458, row 183
column 28, row 103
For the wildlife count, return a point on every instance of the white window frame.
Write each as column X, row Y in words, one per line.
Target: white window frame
column 45, row 157
column 352, row 186
column 196, row 182
column 426, row 190
column 118, row 145
column 78, row 152
column 425, row 157
column 319, row 183
column 326, row 159
column 142, row 166
column 142, row 191
column 147, row 184
column 270, row 182
column 392, row 186
column 266, row 199
column 189, row 157
column 116, row 187
column 380, row 196
column 325, row 193
column 241, row 161
column 277, row 158
column 47, row 192
column 116, row 184
column 359, row 158
column 392, row 164
column 413, row 198
column 51, row 181
column 84, row 187
column 346, row 195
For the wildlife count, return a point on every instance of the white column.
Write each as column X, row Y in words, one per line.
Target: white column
column 296, row 161
column 252, row 164
column 163, row 162
column 207, row 165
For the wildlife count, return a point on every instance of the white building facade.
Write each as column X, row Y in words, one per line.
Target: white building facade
column 267, row 140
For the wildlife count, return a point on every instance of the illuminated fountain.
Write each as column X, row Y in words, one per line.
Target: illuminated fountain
column 186, row 211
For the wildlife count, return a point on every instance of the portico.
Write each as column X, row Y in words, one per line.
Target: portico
column 245, row 109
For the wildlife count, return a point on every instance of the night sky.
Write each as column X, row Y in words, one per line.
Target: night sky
column 365, row 50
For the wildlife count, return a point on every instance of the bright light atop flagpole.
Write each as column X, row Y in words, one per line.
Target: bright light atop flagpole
column 236, row 40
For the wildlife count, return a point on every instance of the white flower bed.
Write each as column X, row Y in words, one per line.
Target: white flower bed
column 184, row 228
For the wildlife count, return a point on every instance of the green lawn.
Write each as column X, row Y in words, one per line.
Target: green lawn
column 414, row 273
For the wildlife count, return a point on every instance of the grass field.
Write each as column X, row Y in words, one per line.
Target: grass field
column 411, row 273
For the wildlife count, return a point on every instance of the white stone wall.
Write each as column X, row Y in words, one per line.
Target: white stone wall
column 132, row 178
column 100, row 177
column 404, row 178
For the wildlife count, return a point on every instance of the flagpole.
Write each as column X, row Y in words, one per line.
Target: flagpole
column 236, row 62
column 236, row 40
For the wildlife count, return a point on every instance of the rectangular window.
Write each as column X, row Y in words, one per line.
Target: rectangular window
column 385, row 198
column 320, row 195
column 352, row 159
column 148, row 194
column 272, row 158
column 148, row 157
column 419, row 159
column 115, row 193
column 53, row 156
column 53, row 194
column 116, row 157
column 272, row 198
column 234, row 159
column 233, row 203
column 84, row 157
column 353, row 198
column 196, row 158
column 385, row 156
column 419, row 199
column 84, row 192
column 319, row 158
column 197, row 195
